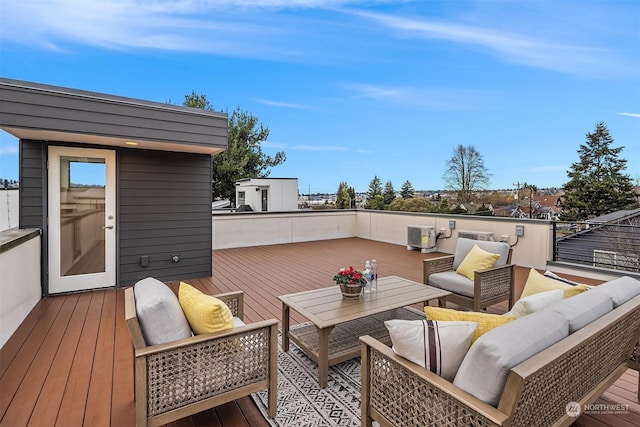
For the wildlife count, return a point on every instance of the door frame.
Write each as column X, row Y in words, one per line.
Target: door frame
column 57, row 283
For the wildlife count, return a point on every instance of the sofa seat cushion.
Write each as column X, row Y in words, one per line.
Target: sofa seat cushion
column 463, row 246
column 205, row 313
column 452, row 282
column 438, row 346
column 476, row 259
column 620, row 290
column 536, row 283
column 583, row 309
column 159, row 313
column 485, row 321
column 535, row 302
column 484, row 370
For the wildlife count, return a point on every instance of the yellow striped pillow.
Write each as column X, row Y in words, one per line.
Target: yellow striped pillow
column 485, row 321
column 205, row 313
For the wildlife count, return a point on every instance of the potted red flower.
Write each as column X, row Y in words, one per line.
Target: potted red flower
column 351, row 282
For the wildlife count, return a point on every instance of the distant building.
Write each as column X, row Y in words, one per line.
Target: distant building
column 267, row 194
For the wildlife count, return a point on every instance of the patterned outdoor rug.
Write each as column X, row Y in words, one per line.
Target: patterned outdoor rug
column 301, row 403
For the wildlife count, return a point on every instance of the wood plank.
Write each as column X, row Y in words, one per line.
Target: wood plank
column 25, row 399
column 20, row 336
column 19, row 366
column 48, row 404
column 122, row 404
column 74, row 401
column 98, row 409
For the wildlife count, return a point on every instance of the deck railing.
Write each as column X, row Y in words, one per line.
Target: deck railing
column 613, row 246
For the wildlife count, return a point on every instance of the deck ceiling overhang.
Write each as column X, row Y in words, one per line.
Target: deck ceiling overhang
column 51, row 113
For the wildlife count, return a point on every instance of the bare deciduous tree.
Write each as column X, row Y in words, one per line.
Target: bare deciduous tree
column 466, row 173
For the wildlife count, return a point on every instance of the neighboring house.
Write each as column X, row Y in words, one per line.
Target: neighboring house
column 120, row 187
column 267, row 194
column 610, row 241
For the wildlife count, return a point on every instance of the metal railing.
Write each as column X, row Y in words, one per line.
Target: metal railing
column 614, row 246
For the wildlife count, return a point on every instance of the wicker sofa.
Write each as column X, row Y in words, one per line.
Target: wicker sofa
column 536, row 391
column 189, row 375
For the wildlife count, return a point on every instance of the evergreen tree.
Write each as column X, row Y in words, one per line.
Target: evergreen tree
column 407, row 191
column 342, row 196
column 243, row 157
column 375, row 189
column 352, row 195
column 389, row 193
column 597, row 184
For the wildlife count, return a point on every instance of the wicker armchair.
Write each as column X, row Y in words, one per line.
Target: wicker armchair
column 489, row 286
column 184, row 377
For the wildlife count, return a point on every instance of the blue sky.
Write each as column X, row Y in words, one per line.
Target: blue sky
column 353, row 89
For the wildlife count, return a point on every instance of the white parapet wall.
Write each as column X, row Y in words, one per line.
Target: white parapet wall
column 20, row 288
column 533, row 249
column 257, row 228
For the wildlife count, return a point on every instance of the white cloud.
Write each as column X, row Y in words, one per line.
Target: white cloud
column 319, row 148
column 286, row 105
column 511, row 45
column 8, row 150
column 636, row 115
column 419, row 97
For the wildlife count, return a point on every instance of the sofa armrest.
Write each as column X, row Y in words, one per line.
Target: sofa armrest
column 396, row 392
column 436, row 265
column 495, row 283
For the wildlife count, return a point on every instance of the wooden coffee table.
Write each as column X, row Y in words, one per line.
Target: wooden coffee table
column 351, row 318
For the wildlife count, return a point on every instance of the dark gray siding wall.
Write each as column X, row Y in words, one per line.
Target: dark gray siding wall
column 32, row 184
column 27, row 105
column 164, row 209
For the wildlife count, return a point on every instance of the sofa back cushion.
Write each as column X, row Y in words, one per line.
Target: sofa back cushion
column 584, row 308
column 620, row 290
column 159, row 313
column 464, row 246
column 485, row 368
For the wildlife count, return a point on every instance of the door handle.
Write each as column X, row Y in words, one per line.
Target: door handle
column 110, row 227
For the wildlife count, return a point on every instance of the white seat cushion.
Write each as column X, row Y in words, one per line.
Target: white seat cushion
column 453, row 282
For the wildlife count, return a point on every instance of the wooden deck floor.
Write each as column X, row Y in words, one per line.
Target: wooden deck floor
column 70, row 363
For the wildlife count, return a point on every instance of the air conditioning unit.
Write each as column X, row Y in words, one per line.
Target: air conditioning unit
column 422, row 237
column 486, row 236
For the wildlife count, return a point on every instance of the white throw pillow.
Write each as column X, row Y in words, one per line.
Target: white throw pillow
column 535, row 302
column 436, row 345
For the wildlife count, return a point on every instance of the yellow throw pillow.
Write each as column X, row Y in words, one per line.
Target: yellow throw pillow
column 537, row 283
column 485, row 321
column 476, row 259
column 205, row 313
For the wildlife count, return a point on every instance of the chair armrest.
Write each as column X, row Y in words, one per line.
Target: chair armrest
column 391, row 384
column 235, row 302
column 495, row 282
column 436, row 265
column 226, row 335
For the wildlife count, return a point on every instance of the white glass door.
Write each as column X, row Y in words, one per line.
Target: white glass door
column 82, row 242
